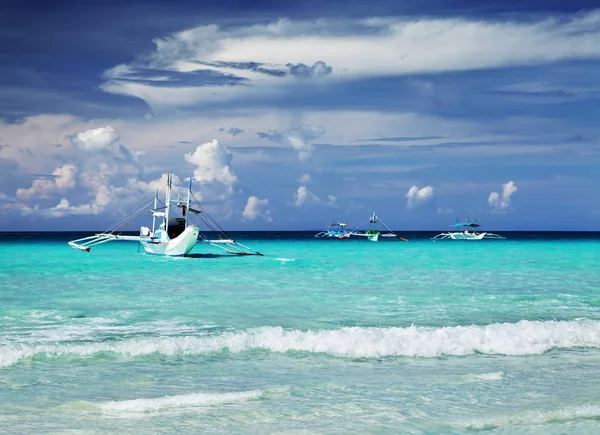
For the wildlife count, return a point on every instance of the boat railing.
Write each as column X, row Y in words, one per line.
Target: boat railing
column 86, row 243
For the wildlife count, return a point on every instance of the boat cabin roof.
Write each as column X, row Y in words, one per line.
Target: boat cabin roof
column 465, row 224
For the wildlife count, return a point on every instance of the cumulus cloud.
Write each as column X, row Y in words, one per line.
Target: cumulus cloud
column 95, row 139
column 416, row 196
column 304, row 196
column 63, row 178
column 300, row 138
column 501, row 202
column 213, row 165
column 103, row 176
column 85, row 186
column 105, row 191
column 256, row 207
column 98, row 205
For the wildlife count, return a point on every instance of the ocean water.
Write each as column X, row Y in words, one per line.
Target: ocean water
column 316, row 337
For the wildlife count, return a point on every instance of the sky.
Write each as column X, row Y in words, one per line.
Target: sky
column 291, row 115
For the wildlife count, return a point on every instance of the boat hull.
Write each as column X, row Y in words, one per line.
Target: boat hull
column 178, row 247
column 467, row 236
column 373, row 237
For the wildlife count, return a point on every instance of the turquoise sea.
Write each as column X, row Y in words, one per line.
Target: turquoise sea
column 316, row 337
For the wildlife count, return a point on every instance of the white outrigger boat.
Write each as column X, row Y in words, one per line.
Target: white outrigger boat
column 338, row 230
column 466, row 231
column 173, row 237
column 373, row 233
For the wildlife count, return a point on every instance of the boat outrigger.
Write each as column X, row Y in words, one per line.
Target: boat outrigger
column 467, row 231
column 174, row 237
column 373, row 233
column 338, row 230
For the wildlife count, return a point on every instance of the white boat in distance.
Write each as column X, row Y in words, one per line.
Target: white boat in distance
column 373, row 233
column 466, row 231
column 174, row 237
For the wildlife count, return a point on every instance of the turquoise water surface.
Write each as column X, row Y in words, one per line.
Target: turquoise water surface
column 317, row 336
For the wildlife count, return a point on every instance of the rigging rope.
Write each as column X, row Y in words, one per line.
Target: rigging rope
column 113, row 228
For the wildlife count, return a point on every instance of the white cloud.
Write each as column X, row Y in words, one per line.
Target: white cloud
column 305, row 179
column 501, row 203
column 213, row 165
column 372, row 47
column 88, row 181
column 64, row 178
column 160, row 183
column 95, row 139
column 300, row 138
column 416, row 196
column 304, row 196
column 343, row 127
column 110, row 182
column 256, row 207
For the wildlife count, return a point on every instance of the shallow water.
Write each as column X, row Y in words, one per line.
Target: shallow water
column 317, row 336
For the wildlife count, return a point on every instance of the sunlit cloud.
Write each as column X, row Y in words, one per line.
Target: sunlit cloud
column 501, row 202
column 213, row 166
column 300, row 138
column 304, row 196
column 256, row 207
column 416, row 196
column 95, row 139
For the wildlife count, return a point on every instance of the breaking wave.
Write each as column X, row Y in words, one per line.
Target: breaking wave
column 521, row 338
column 176, row 403
column 533, row 418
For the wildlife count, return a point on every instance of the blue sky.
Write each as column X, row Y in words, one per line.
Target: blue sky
column 292, row 114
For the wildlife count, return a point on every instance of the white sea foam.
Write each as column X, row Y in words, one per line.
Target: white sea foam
column 484, row 377
column 177, row 403
column 521, row 338
column 494, row 376
column 533, row 417
column 284, row 260
column 96, row 327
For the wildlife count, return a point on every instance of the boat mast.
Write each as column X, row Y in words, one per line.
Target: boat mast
column 373, row 222
column 168, row 201
column 187, row 207
column 154, row 211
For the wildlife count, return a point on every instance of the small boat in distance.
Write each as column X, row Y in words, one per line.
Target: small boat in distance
column 338, row 230
column 174, row 237
column 466, row 231
column 373, row 233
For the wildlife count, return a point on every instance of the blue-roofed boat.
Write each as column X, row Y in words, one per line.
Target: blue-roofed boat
column 467, row 230
column 338, row 230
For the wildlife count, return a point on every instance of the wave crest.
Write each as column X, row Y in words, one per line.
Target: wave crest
column 534, row 418
column 179, row 402
column 521, row 338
